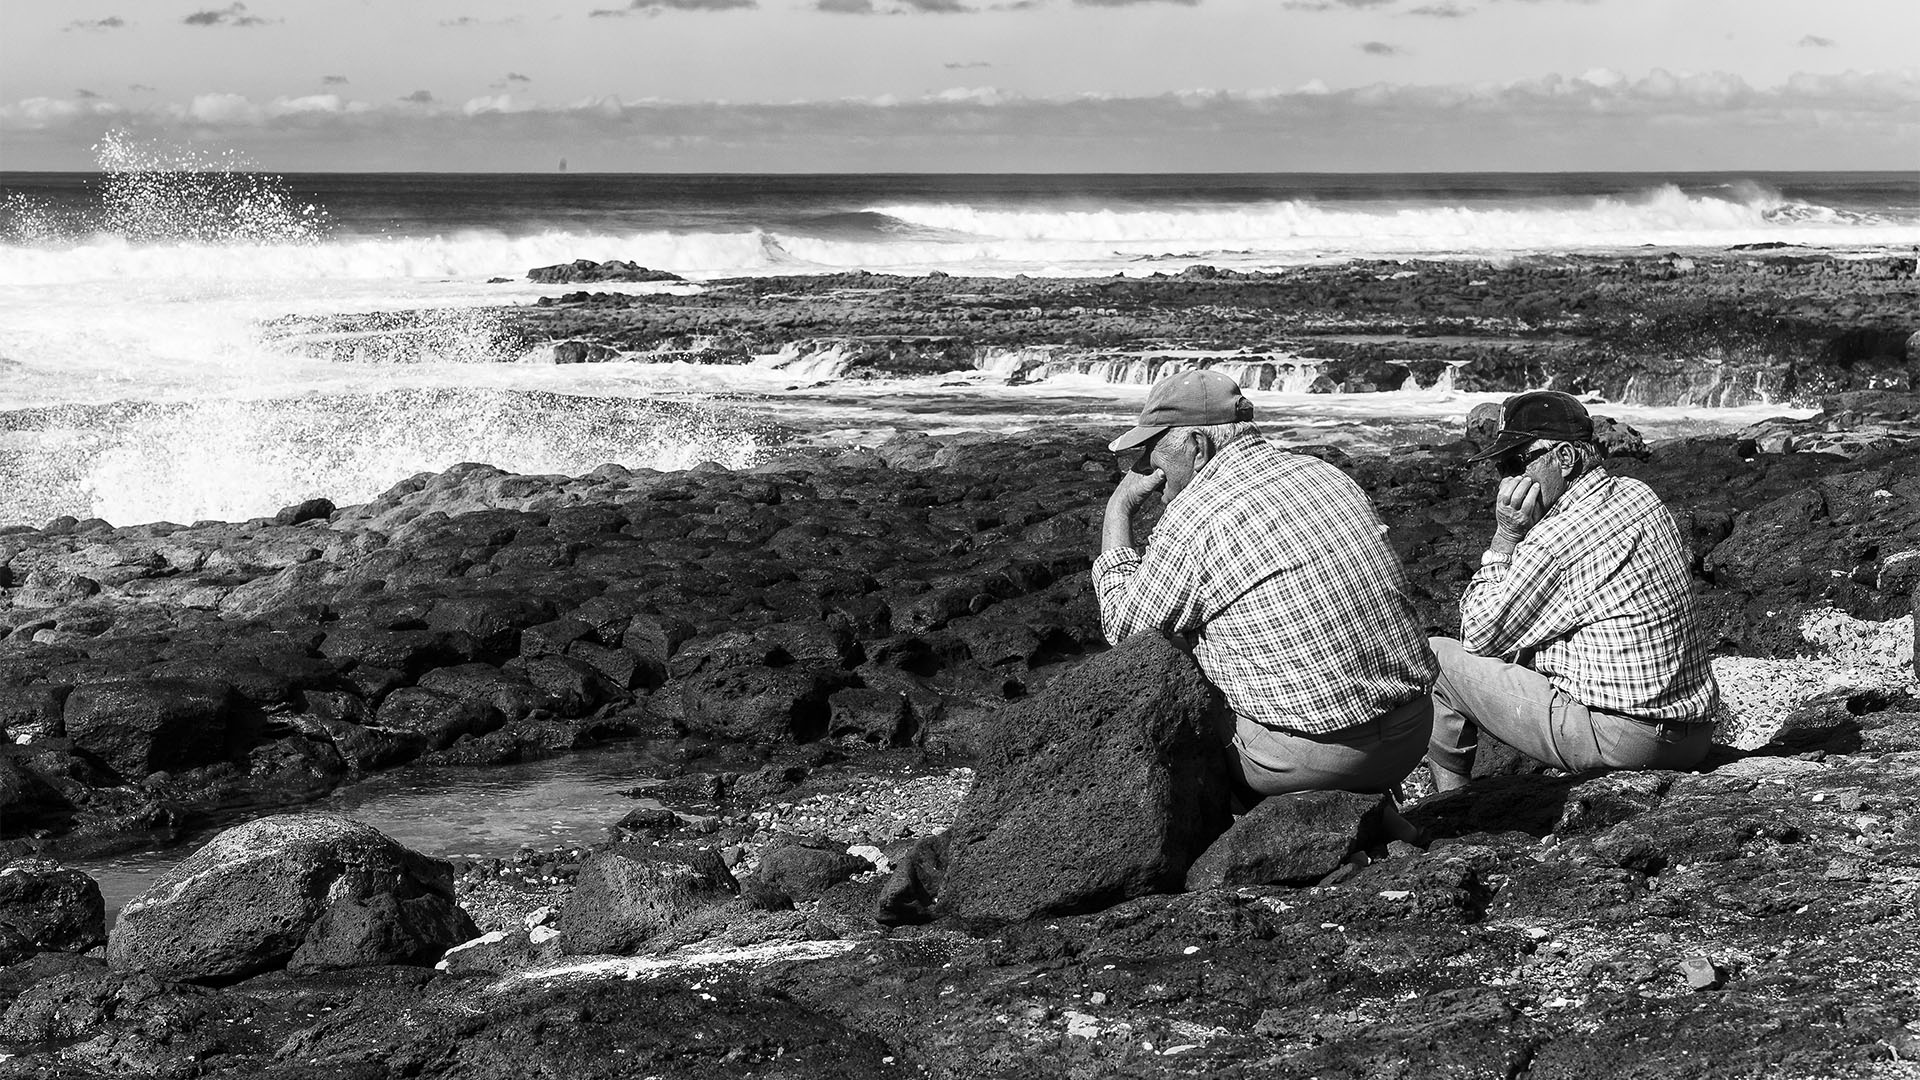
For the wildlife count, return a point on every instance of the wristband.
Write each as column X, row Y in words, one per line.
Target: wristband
column 1496, row 558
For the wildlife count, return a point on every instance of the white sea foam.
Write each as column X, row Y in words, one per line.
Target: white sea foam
column 234, row 458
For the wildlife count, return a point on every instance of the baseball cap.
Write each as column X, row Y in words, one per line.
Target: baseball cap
column 1538, row 414
column 1189, row 399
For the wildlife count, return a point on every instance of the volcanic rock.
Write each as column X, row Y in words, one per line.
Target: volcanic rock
column 1290, row 840
column 139, row 726
column 623, row 899
column 45, row 907
column 1104, row 787
column 588, row 270
column 310, row 891
column 804, row 872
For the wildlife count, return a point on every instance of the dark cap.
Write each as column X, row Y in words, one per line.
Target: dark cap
column 1190, row 399
column 1538, row 414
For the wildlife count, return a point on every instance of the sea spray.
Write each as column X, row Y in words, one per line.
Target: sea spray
column 234, row 459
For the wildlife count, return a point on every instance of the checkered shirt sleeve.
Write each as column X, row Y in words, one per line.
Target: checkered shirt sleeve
column 1277, row 565
column 1598, row 597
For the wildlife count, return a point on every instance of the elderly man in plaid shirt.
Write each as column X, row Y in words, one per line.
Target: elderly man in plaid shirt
column 1580, row 646
column 1275, row 565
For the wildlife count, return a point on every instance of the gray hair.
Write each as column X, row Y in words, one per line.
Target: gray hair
column 1220, row 435
column 1587, row 453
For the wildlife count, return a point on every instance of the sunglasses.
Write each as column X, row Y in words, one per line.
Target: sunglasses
column 1516, row 464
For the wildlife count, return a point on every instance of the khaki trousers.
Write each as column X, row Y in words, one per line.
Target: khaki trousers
column 1518, row 705
column 1376, row 756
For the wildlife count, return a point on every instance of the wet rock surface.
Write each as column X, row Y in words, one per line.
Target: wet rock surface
column 1707, row 328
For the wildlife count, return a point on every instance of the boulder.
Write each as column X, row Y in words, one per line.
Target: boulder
column 911, row 891
column 45, row 907
column 621, row 900
column 439, row 718
column 883, row 717
column 33, row 713
column 1483, row 423
column 140, row 726
column 303, row 890
column 1290, row 840
column 804, row 872
column 1103, row 788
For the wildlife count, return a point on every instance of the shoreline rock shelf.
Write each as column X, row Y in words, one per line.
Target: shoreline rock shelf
column 1706, row 328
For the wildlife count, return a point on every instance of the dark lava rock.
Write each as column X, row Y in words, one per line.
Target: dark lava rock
column 588, row 270
column 592, row 1031
column 914, row 886
column 1104, row 787
column 311, row 891
column 440, row 719
column 1290, row 840
column 803, row 872
column 45, row 907
column 622, row 899
column 140, row 726
column 308, row 510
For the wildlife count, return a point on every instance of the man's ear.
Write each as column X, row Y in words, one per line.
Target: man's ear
column 1202, row 449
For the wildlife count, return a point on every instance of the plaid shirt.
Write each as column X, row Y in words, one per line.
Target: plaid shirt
column 1277, row 563
column 1598, row 599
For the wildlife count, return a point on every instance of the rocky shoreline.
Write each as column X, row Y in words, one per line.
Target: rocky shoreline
column 1718, row 328
column 853, row 652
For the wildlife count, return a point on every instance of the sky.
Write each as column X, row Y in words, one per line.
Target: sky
column 968, row 85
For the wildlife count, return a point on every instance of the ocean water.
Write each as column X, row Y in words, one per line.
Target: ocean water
column 137, row 382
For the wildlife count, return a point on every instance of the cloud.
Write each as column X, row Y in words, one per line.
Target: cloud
column 514, row 76
column 1597, row 121
column 1329, row 5
column 1131, row 3
column 655, row 7
column 1380, row 48
column 232, row 15
column 469, row 20
column 333, row 80
column 419, row 97
column 140, row 88
column 1447, row 10
column 85, row 94
column 965, row 65
column 111, row 22
column 1815, row 41
column 845, row 7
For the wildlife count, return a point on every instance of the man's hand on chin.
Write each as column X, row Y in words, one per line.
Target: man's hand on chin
column 1516, row 509
column 1133, row 490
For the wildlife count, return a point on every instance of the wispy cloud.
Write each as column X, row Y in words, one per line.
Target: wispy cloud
column 1131, row 3
column 85, row 94
column 1441, row 11
column 140, row 88
column 965, row 65
column 655, row 7
column 234, row 14
column 333, row 80
column 1330, row 5
column 469, row 20
column 419, row 97
column 514, row 76
column 845, row 7
column 1379, row 48
column 111, row 22
column 1815, row 41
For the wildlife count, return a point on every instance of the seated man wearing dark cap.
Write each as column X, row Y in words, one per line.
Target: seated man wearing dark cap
column 1275, row 565
column 1580, row 646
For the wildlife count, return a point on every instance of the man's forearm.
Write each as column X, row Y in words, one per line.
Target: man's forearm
column 1117, row 533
